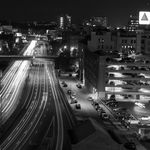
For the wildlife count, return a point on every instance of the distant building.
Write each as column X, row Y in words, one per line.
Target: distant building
column 123, row 41
column 64, row 21
column 96, row 21
column 101, row 40
column 133, row 23
column 126, row 41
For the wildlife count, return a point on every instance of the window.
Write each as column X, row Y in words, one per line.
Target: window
column 142, row 41
column 101, row 40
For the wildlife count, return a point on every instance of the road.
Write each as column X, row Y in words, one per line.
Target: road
column 12, row 85
column 44, row 110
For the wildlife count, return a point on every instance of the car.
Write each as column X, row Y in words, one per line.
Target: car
column 69, row 92
column 111, row 83
column 93, row 103
column 96, row 104
column 72, row 95
column 102, row 113
column 112, row 97
column 97, row 107
column 144, row 69
column 65, row 85
column 139, row 61
column 122, row 109
column 111, row 75
column 121, row 68
column 141, row 76
column 113, row 105
column 79, row 85
column 78, row 106
column 127, row 88
column 100, row 110
column 140, row 104
column 145, row 118
column 63, row 82
column 147, row 61
column 105, row 116
column 73, row 101
column 130, row 145
column 90, row 98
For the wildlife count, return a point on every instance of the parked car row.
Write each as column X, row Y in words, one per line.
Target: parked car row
column 73, row 99
column 64, row 84
column 120, row 113
column 127, row 60
column 101, row 112
column 143, row 68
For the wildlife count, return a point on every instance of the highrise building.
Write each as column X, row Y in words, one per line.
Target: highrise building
column 96, row 21
column 133, row 23
column 64, row 21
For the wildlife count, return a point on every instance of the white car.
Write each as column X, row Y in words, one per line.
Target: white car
column 140, row 104
column 145, row 118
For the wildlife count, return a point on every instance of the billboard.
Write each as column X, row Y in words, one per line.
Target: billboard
column 144, row 17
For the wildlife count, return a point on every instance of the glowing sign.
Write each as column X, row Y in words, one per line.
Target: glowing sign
column 144, row 17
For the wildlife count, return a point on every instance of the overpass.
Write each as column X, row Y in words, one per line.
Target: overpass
column 29, row 57
column 20, row 57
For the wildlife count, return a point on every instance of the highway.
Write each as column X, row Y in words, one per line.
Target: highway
column 44, row 110
column 12, row 85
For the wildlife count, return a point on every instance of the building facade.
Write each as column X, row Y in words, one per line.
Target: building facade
column 64, row 21
column 133, row 23
column 128, row 79
column 101, row 40
column 122, row 41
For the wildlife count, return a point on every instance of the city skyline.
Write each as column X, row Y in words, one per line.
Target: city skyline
column 117, row 12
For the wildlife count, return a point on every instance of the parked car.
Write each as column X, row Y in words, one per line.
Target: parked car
column 112, row 97
column 78, row 106
column 130, row 146
column 111, row 83
column 90, row 98
column 105, row 116
column 63, row 82
column 69, row 92
column 111, row 75
column 79, row 85
column 140, row 76
column 73, row 101
column 65, row 85
column 97, row 107
column 73, row 97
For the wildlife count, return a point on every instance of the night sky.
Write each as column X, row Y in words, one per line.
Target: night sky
column 117, row 11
